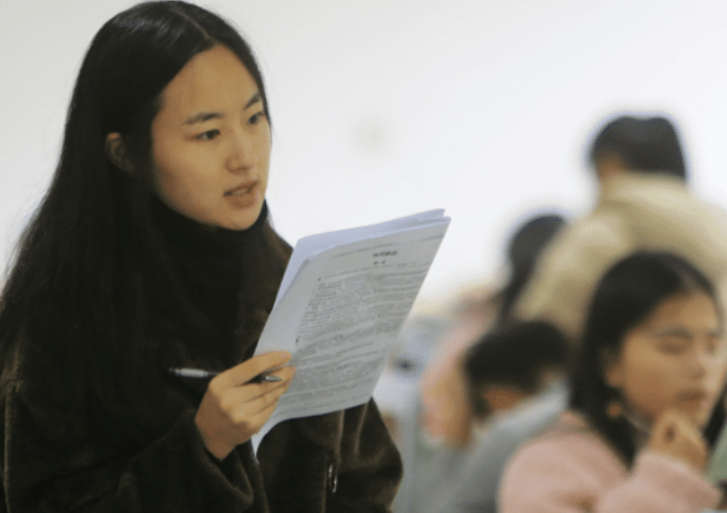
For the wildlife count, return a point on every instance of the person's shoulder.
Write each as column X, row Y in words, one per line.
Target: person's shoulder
column 590, row 240
column 568, row 447
column 28, row 383
column 657, row 194
column 535, row 415
column 509, row 432
column 566, row 465
column 663, row 212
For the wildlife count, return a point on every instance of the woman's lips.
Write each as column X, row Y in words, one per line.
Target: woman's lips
column 695, row 398
column 241, row 189
column 244, row 196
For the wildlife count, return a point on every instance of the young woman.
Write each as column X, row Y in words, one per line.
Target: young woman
column 645, row 405
column 152, row 251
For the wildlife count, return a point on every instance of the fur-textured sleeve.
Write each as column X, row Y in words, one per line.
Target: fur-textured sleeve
column 370, row 466
column 337, row 463
column 51, row 463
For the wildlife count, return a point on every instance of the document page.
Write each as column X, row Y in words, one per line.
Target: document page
column 344, row 299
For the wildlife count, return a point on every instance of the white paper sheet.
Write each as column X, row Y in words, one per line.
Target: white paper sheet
column 343, row 301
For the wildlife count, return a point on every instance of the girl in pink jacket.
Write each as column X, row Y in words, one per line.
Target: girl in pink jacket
column 645, row 405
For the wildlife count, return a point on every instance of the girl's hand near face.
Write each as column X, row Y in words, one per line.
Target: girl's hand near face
column 675, row 435
column 233, row 410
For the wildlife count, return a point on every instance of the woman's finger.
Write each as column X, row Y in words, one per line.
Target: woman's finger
column 674, row 434
column 237, row 396
column 664, row 428
column 259, row 404
column 243, row 373
column 254, row 423
column 249, row 418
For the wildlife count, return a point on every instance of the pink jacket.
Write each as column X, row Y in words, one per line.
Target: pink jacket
column 571, row 469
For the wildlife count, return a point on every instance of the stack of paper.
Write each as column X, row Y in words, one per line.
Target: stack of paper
column 343, row 301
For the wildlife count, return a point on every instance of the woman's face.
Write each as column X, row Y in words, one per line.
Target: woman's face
column 211, row 142
column 675, row 359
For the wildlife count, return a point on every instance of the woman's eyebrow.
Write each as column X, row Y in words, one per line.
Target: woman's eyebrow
column 201, row 117
column 253, row 99
column 672, row 332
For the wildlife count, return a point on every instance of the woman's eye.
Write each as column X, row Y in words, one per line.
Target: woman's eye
column 256, row 118
column 208, row 135
column 673, row 347
column 715, row 344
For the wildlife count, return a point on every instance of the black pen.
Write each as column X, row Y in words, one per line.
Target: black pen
column 205, row 374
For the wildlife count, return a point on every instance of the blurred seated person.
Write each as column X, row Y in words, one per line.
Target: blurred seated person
column 516, row 377
column 443, row 442
column 643, row 203
column 447, row 409
column 397, row 390
column 514, row 363
column 646, row 401
column 447, row 413
column 397, row 396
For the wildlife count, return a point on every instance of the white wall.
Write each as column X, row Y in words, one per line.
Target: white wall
column 382, row 108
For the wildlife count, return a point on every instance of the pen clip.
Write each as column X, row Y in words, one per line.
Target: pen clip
column 265, row 378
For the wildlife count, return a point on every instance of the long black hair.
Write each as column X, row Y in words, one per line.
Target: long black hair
column 626, row 295
column 524, row 249
column 76, row 302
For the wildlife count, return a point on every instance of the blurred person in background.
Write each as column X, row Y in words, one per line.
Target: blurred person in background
column 645, row 405
column 512, row 363
column 428, row 461
column 447, row 414
column 440, row 444
column 516, row 377
column 445, row 391
column 643, row 203
column 397, row 391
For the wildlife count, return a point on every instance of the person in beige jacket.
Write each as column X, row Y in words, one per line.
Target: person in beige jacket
column 643, row 203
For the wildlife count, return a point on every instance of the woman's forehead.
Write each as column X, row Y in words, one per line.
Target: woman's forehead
column 213, row 79
column 692, row 310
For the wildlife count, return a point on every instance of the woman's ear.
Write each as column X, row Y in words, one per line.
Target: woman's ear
column 612, row 369
column 116, row 152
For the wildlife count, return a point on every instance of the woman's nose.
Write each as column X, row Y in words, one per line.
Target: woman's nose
column 242, row 155
column 699, row 361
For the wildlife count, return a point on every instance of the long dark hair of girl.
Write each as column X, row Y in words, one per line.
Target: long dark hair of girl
column 524, row 249
column 627, row 294
column 76, row 301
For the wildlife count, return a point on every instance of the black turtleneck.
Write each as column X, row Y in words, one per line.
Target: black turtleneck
column 207, row 263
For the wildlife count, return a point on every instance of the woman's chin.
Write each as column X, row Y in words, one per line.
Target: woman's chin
column 238, row 221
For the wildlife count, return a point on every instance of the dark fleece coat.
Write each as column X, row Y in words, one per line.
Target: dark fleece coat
column 55, row 459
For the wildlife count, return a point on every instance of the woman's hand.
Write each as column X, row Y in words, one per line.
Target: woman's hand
column 674, row 434
column 233, row 410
